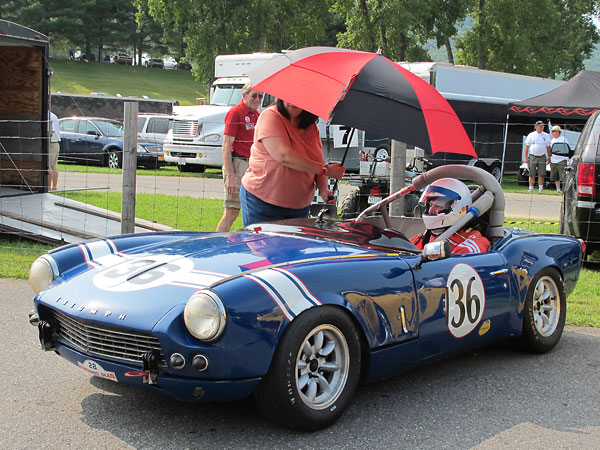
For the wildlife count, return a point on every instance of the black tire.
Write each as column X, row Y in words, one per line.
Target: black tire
column 195, row 168
column 292, row 394
column 114, row 159
column 350, row 205
column 544, row 312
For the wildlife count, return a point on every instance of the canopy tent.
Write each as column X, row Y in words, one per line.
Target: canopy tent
column 578, row 98
column 569, row 105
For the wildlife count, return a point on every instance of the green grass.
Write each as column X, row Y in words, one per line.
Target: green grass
column 510, row 184
column 165, row 171
column 16, row 255
column 75, row 77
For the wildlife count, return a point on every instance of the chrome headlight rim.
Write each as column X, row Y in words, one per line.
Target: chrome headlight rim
column 50, row 264
column 220, row 309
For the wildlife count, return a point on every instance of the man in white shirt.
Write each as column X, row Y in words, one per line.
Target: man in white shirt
column 557, row 162
column 53, row 153
column 537, row 154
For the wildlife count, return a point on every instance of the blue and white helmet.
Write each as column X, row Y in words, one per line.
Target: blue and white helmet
column 455, row 198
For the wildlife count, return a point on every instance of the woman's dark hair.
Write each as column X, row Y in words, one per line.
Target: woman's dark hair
column 306, row 119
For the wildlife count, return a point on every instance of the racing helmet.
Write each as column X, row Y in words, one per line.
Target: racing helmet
column 452, row 196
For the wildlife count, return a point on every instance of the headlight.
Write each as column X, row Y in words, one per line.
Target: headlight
column 42, row 272
column 204, row 315
column 199, row 130
column 141, row 148
column 210, row 138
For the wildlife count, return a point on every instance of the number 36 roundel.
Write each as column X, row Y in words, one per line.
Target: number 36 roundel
column 466, row 300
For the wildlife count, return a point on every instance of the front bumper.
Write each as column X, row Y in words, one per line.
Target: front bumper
column 193, row 154
column 182, row 388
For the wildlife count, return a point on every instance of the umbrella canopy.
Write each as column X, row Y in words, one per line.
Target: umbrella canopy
column 365, row 91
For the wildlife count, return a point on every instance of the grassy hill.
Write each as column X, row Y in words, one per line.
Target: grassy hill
column 75, row 77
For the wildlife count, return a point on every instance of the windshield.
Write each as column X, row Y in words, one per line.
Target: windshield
column 110, row 127
column 226, row 95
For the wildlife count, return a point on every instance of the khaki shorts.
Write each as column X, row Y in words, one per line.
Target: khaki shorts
column 53, row 157
column 240, row 165
column 537, row 165
column 557, row 171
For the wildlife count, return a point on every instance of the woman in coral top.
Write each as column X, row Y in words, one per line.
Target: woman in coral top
column 286, row 165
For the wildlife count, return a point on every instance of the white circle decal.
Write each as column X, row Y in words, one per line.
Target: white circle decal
column 465, row 300
column 143, row 272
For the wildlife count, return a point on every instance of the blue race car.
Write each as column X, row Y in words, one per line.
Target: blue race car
column 299, row 312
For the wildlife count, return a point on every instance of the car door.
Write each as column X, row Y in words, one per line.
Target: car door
column 90, row 144
column 69, row 135
column 464, row 301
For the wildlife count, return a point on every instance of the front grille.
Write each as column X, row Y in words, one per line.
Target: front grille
column 182, row 155
column 104, row 342
column 185, row 127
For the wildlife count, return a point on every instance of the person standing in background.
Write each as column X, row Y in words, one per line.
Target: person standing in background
column 237, row 140
column 558, row 162
column 54, row 130
column 537, row 155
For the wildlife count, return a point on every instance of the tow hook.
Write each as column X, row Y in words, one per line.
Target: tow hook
column 45, row 335
column 151, row 360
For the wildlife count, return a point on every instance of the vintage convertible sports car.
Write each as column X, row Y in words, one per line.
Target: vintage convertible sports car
column 299, row 312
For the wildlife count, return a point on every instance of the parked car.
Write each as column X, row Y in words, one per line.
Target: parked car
column 124, row 58
column 154, row 62
column 154, row 127
column 169, row 63
column 580, row 212
column 299, row 311
column 184, row 65
column 100, row 141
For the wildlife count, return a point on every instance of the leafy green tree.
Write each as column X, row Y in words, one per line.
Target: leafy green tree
column 541, row 38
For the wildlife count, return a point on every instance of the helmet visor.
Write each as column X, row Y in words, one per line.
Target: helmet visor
column 441, row 197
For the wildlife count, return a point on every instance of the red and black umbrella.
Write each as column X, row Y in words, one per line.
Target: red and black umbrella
column 365, row 91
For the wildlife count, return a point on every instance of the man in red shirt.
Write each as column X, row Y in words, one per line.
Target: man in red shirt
column 447, row 200
column 237, row 140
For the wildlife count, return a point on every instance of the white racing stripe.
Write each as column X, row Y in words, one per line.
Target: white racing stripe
column 286, row 289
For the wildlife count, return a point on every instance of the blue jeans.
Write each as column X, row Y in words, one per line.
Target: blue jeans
column 254, row 210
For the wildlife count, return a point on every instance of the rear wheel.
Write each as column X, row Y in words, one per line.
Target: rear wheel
column 383, row 152
column 496, row 171
column 544, row 313
column 314, row 372
column 350, row 205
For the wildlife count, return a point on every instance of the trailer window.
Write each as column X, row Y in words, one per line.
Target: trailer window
column 226, row 95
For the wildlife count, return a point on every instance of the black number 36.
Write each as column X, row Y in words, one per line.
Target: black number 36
column 469, row 305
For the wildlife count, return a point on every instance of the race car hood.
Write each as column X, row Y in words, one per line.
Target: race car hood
column 164, row 269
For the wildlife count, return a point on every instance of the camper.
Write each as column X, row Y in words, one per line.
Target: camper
column 194, row 142
column 24, row 90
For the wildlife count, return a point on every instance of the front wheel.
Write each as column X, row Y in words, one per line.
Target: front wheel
column 544, row 312
column 114, row 159
column 314, row 372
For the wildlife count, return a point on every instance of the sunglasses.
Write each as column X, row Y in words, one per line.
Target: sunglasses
column 256, row 95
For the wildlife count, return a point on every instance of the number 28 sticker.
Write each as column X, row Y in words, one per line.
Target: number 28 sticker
column 466, row 300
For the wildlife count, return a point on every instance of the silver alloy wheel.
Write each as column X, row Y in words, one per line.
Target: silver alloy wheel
column 113, row 160
column 322, row 367
column 546, row 306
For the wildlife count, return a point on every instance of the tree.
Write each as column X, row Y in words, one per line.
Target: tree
column 541, row 38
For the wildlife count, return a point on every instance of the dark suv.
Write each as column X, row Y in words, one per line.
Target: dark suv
column 580, row 212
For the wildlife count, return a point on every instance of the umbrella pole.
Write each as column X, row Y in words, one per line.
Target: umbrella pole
column 335, row 185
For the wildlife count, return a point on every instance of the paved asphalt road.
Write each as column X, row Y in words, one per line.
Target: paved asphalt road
column 493, row 398
column 532, row 206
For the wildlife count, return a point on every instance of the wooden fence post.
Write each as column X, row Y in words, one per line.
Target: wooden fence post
column 129, row 161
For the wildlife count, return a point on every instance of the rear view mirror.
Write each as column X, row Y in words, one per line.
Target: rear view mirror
column 562, row 149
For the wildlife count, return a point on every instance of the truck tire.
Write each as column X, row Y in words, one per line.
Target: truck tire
column 194, row 168
column 383, row 152
column 351, row 205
